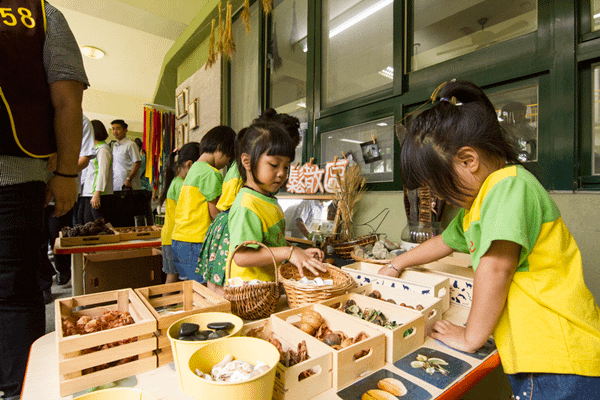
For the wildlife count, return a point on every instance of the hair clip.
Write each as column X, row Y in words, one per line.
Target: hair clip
column 445, row 99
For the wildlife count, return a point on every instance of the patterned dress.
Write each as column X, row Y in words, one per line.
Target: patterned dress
column 213, row 256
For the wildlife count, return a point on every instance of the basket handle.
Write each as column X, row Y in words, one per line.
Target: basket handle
column 244, row 244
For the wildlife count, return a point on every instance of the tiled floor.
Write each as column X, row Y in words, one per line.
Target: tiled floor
column 57, row 293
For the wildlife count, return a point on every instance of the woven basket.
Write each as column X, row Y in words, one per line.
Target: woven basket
column 344, row 249
column 299, row 294
column 369, row 260
column 253, row 301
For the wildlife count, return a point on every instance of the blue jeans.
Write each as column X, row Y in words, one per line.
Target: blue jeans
column 22, row 311
column 185, row 258
column 528, row 386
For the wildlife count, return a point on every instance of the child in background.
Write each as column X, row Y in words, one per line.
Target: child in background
column 197, row 204
column 175, row 173
column 214, row 253
column 528, row 289
column 264, row 154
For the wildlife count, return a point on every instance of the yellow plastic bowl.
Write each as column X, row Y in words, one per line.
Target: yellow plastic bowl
column 241, row 348
column 117, row 394
column 183, row 350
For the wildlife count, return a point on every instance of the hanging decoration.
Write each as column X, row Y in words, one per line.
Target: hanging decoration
column 294, row 31
column 267, row 6
column 246, row 15
column 158, row 142
column 221, row 31
column 228, row 42
column 212, row 56
column 274, row 50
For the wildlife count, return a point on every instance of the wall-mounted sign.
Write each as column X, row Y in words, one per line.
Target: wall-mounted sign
column 310, row 179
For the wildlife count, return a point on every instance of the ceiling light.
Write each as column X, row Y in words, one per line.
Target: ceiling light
column 382, row 124
column 359, row 17
column 92, row 52
column 301, row 104
column 351, row 141
column 596, row 16
column 388, row 72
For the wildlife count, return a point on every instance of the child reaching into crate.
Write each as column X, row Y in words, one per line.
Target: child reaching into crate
column 214, row 253
column 528, row 287
column 197, row 203
column 264, row 154
column 175, row 173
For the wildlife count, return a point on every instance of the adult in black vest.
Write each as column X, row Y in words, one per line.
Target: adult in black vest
column 41, row 84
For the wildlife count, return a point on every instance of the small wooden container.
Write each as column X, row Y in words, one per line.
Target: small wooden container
column 346, row 370
column 171, row 302
column 87, row 240
column 461, row 275
column 400, row 341
column 287, row 383
column 412, row 280
column 71, row 359
column 140, row 232
column 432, row 306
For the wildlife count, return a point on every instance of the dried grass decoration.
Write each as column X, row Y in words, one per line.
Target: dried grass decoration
column 212, row 56
column 246, row 15
column 267, row 6
column 228, row 43
column 350, row 190
column 221, row 31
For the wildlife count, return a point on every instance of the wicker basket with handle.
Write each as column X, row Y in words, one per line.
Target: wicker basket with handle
column 344, row 249
column 299, row 294
column 253, row 301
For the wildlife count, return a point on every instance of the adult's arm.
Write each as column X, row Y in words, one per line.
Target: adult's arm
column 66, row 97
column 132, row 174
column 83, row 162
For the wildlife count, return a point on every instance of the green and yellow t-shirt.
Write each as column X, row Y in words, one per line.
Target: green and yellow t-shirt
column 550, row 323
column 231, row 187
column 170, row 204
column 254, row 216
column 202, row 184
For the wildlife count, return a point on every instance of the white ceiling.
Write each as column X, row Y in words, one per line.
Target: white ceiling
column 135, row 35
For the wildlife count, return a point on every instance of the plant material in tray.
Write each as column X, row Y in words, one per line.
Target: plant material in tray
column 377, row 295
column 368, row 314
column 92, row 228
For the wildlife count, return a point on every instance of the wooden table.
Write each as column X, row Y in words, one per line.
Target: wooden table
column 41, row 379
column 76, row 253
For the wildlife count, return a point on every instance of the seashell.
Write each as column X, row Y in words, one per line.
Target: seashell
column 327, row 281
column 237, row 281
column 393, row 386
column 318, row 281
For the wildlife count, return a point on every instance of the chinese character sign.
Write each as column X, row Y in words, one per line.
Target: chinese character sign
column 332, row 169
column 308, row 179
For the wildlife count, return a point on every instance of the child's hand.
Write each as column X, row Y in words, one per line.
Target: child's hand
column 388, row 271
column 308, row 259
column 452, row 335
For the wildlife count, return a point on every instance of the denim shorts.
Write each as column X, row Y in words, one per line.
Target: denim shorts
column 185, row 259
column 168, row 265
column 528, row 386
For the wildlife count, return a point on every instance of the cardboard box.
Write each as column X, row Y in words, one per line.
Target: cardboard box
column 288, row 386
column 171, row 302
column 74, row 360
column 112, row 270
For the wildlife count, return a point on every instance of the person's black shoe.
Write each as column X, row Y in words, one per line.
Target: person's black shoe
column 62, row 279
column 47, row 296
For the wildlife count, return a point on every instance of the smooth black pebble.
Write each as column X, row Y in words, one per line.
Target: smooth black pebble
column 187, row 338
column 220, row 325
column 187, row 329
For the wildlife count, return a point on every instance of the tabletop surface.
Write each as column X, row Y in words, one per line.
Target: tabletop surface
column 124, row 245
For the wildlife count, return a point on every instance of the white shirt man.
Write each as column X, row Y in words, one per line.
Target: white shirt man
column 126, row 159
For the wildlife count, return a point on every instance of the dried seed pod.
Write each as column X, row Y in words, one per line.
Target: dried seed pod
column 375, row 294
column 393, row 386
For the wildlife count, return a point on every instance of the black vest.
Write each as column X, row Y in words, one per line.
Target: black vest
column 26, row 113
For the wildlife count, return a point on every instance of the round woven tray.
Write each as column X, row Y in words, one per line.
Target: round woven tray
column 369, row 260
column 343, row 249
column 253, row 301
column 299, row 294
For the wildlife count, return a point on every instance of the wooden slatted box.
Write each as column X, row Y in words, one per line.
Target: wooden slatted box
column 287, row 383
column 171, row 302
column 71, row 358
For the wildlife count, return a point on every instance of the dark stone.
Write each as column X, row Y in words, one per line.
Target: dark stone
column 213, row 335
column 186, row 338
column 220, row 325
column 200, row 335
column 188, row 329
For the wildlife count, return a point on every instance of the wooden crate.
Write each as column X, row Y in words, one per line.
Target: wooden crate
column 461, row 278
column 72, row 361
column 287, row 383
column 411, row 280
column 171, row 302
column 87, row 240
column 148, row 232
column 399, row 342
column 346, row 370
column 432, row 306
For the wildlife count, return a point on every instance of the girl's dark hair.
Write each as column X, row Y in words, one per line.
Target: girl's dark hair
column 220, row 138
column 435, row 136
column 100, row 133
column 289, row 123
column 260, row 138
column 188, row 152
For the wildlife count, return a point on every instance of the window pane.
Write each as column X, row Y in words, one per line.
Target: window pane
column 518, row 113
column 595, row 15
column 356, row 143
column 288, row 61
column 445, row 29
column 357, row 49
column 596, row 121
column 244, row 72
